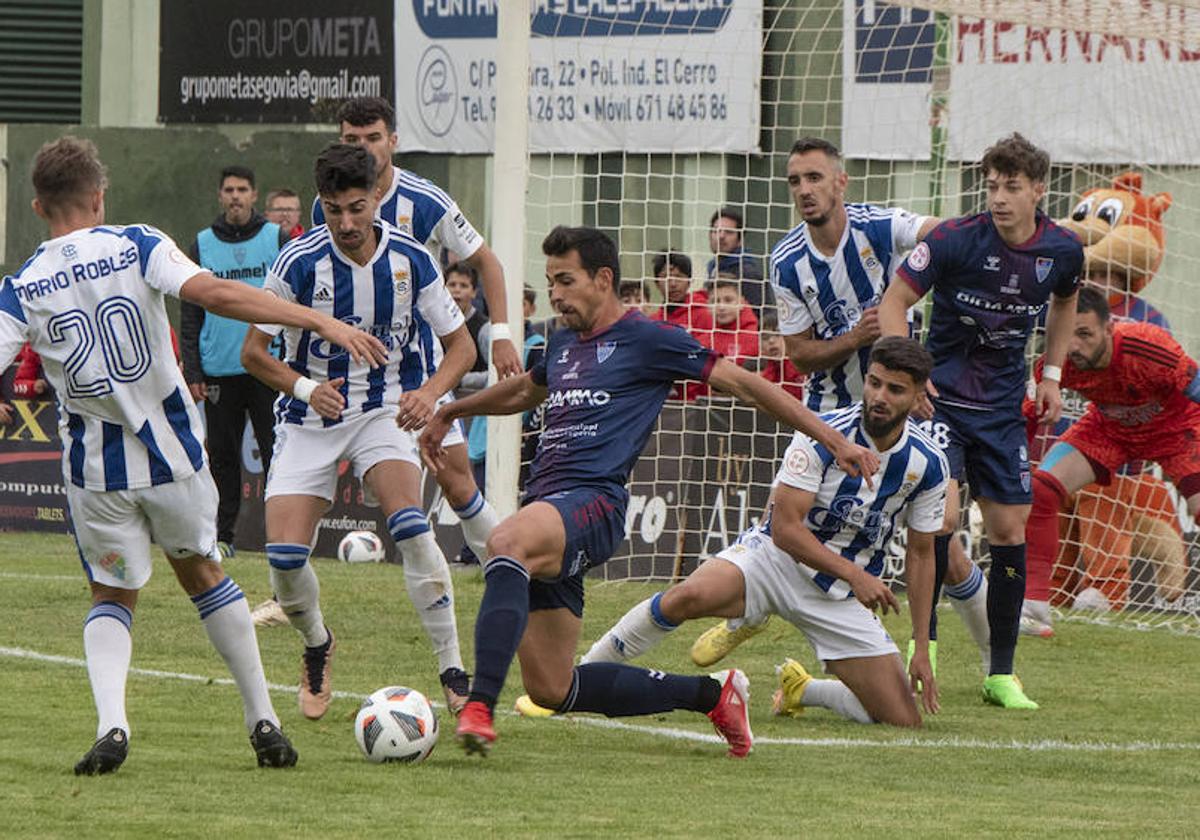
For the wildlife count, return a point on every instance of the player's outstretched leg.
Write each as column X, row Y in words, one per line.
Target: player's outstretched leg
column 1006, row 587
column 617, row 690
column 427, row 580
column 108, row 647
column 1041, row 537
column 299, row 592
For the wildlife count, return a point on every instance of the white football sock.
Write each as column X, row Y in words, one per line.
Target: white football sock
column 298, row 591
column 638, row 630
column 427, row 579
column 226, row 618
column 108, row 647
column 969, row 600
column 1037, row 610
column 478, row 520
column 835, row 696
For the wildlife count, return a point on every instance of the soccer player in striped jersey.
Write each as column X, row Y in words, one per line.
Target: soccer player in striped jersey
column 419, row 208
column 829, row 275
column 603, row 381
column 90, row 303
column 816, row 557
column 991, row 275
column 363, row 271
column 1143, row 391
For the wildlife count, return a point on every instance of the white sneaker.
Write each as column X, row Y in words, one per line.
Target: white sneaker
column 1092, row 599
column 268, row 614
column 1030, row 626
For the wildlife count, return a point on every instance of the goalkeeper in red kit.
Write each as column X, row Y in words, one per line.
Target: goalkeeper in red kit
column 1144, row 404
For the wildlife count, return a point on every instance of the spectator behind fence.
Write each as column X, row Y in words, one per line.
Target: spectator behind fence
column 683, row 308
column 635, row 295
column 772, row 363
column 735, row 326
column 239, row 245
column 462, row 282
column 283, row 208
column 729, row 257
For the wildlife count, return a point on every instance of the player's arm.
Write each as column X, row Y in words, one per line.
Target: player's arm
column 791, row 535
column 417, row 407
column 809, row 354
column 918, row 575
column 491, row 275
column 191, row 322
column 1060, row 324
column 514, row 395
column 757, row 391
column 259, row 362
column 898, row 298
column 246, row 303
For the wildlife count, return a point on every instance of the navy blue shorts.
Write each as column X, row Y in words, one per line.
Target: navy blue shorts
column 989, row 447
column 595, row 525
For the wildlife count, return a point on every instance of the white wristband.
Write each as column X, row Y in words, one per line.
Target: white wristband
column 1052, row 372
column 303, row 389
column 500, row 332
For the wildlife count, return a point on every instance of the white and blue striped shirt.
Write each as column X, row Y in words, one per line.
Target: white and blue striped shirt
column 91, row 304
column 829, row 294
column 386, row 297
column 423, row 210
column 857, row 521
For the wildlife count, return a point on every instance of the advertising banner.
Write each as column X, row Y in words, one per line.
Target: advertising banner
column 636, row 75
column 1083, row 96
column 230, row 61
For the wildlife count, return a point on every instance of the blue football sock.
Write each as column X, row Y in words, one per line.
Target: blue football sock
column 1006, row 593
column 499, row 626
column 617, row 690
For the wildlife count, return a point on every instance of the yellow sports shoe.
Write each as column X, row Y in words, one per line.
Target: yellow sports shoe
column 793, row 679
column 715, row 643
column 527, row 708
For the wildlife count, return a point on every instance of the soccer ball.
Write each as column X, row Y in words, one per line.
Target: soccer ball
column 396, row 724
column 361, row 547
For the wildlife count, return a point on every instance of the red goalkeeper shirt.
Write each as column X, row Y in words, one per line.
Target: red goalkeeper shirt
column 1143, row 388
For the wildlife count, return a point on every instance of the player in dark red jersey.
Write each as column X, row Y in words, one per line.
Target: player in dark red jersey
column 1144, row 392
column 992, row 275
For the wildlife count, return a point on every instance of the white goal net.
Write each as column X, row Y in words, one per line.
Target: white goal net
column 647, row 118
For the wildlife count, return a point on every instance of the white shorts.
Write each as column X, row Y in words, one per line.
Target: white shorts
column 114, row 528
column 305, row 459
column 775, row 585
column 455, row 436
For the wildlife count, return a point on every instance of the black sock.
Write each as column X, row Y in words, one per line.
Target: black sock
column 499, row 626
column 1006, row 593
column 941, row 562
column 617, row 690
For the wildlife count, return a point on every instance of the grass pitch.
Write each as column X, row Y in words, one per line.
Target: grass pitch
column 1113, row 750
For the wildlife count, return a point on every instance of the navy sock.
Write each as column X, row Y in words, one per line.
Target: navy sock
column 1006, row 593
column 617, row 690
column 499, row 627
column 941, row 562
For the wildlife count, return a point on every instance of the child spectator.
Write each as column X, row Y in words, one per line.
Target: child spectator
column 735, row 327
column 772, row 363
column 634, row 295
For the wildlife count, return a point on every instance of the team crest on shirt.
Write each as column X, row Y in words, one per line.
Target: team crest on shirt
column 239, row 254
column 404, row 223
column 605, row 349
column 403, row 287
column 69, row 251
column 1042, row 267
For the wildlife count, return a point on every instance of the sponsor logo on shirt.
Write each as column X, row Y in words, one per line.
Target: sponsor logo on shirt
column 992, row 263
column 574, row 397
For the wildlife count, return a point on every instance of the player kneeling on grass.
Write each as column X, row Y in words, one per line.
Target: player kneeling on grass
column 604, row 380
column 364, row 270
column 1143, row 391
column 816, row 557
column 133, row 460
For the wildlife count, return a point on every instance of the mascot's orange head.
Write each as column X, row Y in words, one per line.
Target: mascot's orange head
column 1122, row 233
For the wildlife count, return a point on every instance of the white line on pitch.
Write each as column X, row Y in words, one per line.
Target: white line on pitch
column 79, row 578
column 1045, row 745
